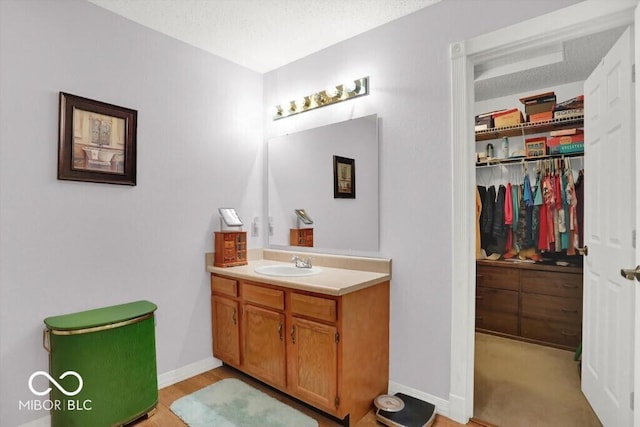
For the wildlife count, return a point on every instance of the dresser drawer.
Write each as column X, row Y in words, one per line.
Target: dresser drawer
column 552, row 283
column 260, row 295
column 224, row 286
column 565, row 334
column 498, row 277
column 316, row 307
column 497, row 321
column 499, row 300
column 552, row 308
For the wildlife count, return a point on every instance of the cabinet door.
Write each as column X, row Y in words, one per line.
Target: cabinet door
column 264, row 344
column 313, row 363
column 226, row 330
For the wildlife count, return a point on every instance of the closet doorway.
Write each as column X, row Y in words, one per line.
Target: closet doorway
column 580, row 20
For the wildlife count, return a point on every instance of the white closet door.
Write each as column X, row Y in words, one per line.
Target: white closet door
column 608, row 331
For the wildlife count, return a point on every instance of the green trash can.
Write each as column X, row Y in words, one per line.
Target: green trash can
column 102, row 365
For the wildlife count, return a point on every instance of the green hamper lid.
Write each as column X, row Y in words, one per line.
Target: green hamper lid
column 100, row 316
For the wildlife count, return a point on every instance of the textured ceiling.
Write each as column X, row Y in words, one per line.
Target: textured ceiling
column 262, row 34
column 266, row 34
column 581, row 56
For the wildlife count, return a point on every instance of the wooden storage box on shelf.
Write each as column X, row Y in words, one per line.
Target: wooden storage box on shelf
column 301, row 237
column 507, row 118
column 230, row 248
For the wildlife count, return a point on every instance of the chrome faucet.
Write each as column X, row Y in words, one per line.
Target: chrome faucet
column 301, row 262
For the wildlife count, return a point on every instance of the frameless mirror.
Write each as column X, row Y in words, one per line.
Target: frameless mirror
column 303, row 173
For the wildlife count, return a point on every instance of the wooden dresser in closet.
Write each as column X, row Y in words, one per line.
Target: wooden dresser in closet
column 530, row 302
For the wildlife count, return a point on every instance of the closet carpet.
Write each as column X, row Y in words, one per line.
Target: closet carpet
column 518, row 384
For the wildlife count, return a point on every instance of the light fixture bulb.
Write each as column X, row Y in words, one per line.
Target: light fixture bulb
column 302, row 103
column 349, row 87
column 331, row 92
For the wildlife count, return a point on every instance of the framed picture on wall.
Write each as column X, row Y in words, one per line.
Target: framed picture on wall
column 96, row 141
column 344, row 178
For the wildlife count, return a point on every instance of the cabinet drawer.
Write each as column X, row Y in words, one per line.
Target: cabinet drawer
column 498, row 277
column 552, row 308
column 497, row 321
column 261, row 295
column 224, row 286
column 316, row 307
column 491, row 299
column 561, row 333
column 552, row 283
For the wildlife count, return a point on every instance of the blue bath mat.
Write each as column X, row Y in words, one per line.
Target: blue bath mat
column 232, row 403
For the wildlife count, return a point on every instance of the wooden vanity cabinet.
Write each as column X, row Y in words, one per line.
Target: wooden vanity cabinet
column 313, row 367
column 224, row 313
column 264, row 333
column 331, row 352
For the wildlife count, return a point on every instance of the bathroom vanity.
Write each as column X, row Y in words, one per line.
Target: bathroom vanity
column 322, row 338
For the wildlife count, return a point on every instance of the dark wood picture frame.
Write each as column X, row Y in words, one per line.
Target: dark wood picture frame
column 344, row 178
column 97, row 141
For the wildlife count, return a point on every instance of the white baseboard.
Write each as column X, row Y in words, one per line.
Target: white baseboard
column 164, row 380
column 442, row 406
column 169, row 378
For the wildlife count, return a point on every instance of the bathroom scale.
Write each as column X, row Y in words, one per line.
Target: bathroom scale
column 404, row 411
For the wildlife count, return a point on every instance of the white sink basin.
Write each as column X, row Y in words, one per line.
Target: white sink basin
column 287, row 270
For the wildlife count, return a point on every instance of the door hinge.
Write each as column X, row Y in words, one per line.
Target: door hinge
column 337, row 337
column 337, row 401
column 632, row 396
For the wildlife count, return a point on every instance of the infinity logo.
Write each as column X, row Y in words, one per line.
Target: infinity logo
column 58, row 386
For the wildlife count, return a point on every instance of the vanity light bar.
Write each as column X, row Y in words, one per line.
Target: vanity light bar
column 333, row 95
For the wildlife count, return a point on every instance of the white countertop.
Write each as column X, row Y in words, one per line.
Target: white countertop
column 331, row 281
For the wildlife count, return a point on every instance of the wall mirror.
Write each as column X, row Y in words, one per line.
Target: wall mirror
column 302, row 174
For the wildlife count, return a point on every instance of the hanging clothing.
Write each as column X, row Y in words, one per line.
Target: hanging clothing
column 499, row 230
column 508, row 216
column 488, row 207
column 572, row 198
column 564, row 212
column 521, row 240
column 529, row 206
column 579, row 186
column 478, row 213
column 482, row 191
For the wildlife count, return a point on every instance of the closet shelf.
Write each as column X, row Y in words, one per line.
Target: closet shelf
column 518, row 160
column 529, row 128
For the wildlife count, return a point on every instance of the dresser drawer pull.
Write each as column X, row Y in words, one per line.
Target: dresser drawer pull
column 567, row 310
column 568, row 334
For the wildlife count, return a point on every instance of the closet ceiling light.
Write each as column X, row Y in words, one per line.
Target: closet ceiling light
column 332, row 95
